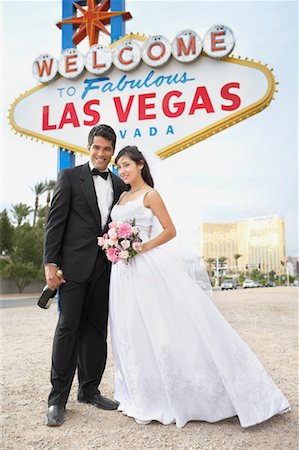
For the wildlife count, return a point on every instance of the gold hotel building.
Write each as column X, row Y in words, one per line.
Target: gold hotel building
column 260, row 241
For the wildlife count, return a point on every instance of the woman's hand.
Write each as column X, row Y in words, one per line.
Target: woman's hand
column 144, row 248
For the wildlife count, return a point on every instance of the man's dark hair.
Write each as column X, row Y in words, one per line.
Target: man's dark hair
column 102, row 130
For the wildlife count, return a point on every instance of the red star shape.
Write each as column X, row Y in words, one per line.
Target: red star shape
column 92, row 21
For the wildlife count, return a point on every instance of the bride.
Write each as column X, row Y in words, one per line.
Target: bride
column 176, row 358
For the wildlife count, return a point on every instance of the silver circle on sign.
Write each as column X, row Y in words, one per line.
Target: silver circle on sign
column 71, row 63
column 156, row 51
column 44, row 68
column 98, row 59
column 127, row 55
column 219, row 41
column 186, row 46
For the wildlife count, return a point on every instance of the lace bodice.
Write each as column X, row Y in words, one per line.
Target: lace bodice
column 135, row 209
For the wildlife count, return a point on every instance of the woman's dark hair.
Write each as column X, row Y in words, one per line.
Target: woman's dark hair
column 133, row 153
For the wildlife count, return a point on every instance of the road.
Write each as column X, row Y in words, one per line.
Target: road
column 13, row 300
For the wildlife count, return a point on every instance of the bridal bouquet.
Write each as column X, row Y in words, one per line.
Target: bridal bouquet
column 122, row 241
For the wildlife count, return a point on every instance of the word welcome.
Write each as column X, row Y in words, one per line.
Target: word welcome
column 126, row 54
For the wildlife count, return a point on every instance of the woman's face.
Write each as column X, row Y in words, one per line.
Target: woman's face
column 129, row 170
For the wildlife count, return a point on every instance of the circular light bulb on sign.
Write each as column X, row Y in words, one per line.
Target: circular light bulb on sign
column 186, row 46
column 127, row 55
column 219, row 41
column 71, row 63
column 156, row 51
column 98, row 59
column 44, row 68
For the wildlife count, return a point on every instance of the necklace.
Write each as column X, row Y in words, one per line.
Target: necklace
column 136, row 190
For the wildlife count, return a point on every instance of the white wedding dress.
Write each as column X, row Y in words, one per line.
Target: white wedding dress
column 176, row 358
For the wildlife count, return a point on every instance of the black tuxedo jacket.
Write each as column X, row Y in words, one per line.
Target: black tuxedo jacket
column 74, row 223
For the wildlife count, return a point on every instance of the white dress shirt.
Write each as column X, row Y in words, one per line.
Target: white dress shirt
column 104, row 193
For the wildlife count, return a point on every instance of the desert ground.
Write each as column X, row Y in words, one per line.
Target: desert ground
column 266, row 318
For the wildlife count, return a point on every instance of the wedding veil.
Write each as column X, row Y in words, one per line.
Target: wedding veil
column 181, row 205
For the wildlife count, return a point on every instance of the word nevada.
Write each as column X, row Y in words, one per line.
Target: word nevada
column 126, row 54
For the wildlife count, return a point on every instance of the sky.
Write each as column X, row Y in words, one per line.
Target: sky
column 248, row 170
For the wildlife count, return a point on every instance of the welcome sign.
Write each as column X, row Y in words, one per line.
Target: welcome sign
column 162, row 103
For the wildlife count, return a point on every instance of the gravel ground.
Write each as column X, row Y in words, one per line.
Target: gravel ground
column 265, row 318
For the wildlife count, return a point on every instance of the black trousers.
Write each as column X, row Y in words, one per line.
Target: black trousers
column 81, row 334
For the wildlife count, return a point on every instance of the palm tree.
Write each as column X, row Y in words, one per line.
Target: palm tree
column 20, row 212
column 41, row 215
column 236, row 257
column 210, row 261
column 49, row 186
column 39, row 188
column 221, row 261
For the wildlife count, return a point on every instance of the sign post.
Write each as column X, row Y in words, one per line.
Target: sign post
column 66, row 158
column 118, row 22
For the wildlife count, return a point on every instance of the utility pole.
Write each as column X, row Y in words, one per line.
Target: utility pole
column 217, row 273
column 288, row 273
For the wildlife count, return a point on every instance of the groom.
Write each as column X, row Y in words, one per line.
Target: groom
column 79, row 213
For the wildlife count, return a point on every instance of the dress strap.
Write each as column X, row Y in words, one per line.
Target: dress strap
column 144, row 195
column 121, row 196
column 149, row 190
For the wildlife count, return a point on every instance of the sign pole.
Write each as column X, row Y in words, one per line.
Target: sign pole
column 65, row 157
column 117, row 31
column 118, row 22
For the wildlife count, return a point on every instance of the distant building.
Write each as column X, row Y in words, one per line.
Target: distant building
column 260, row 241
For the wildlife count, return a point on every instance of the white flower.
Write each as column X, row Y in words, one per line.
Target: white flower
column 112, row 233
column 125, row 244
column 124, row 254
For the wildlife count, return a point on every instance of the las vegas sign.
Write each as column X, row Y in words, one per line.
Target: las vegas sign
column 162, row 96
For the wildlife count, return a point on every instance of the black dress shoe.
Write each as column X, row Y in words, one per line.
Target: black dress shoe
column 55, row 416
column 99, row 401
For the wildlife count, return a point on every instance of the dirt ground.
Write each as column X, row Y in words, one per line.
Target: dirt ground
column 266, row 319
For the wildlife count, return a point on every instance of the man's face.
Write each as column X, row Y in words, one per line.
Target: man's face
column 100, row 152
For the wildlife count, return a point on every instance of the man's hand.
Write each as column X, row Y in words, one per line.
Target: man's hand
column 54, row 276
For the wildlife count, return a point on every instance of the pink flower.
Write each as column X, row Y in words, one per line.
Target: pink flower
column 112, row 254
column 101, row 241
column 112, row 225
column 125, row 230
column 121, row 242
column 137, row 246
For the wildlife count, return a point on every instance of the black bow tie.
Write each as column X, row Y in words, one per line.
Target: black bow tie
column 96, row 172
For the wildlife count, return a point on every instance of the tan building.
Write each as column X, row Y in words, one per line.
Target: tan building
column 260, row 241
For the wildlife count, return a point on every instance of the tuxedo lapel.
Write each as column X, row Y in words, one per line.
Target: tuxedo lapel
column 116, row 191
column 118, row 188
column 89, row 192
